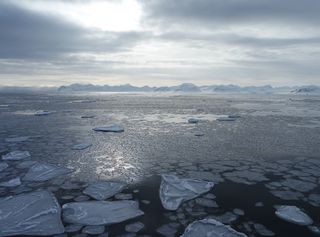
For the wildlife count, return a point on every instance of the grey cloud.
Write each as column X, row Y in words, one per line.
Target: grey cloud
column 28, row 34
column 232, row 11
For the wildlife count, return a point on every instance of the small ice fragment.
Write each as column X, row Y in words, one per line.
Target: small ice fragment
column 109, row 128
column 134, row 227
column 43, row 113
column 35, row 213
column 262, row 230
column 16, row 139
column 73, row 228
column 167, row 230
column 210, row 228
column 81, row 146
column 238, row 212
column 11, row 183
column 204, row 202
column 44, row 171
column 16, row 155
column 3, row 166
column 102, row 190
column 314, row 229
column 294, row 215
column 93, row 229
column 123, row 196
column 174, row 191
column 193, row 120
column 234, row 116
column 100, row 212
column 226, row 119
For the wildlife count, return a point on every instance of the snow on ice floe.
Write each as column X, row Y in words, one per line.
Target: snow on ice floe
column 44, row 171
column 109, row 128
column 102, row 190
column 11, row 183
column 16, row 139
column 35, row 213
column 100, row 212
column 174, row 191
column 210, row 228
column 43, row 112
column 81, row 146
column 16, row 155
column 293, row 214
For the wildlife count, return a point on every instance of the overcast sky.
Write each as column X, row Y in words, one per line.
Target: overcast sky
column 159, row 42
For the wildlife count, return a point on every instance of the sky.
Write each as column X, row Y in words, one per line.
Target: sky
column 159, row 42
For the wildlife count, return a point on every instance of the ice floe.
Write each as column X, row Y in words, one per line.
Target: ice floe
column 314, row 199
column 134, row 227
column 3, row 166
column 109, row 128
column 94, row 229
column 193, row 120
column 262, row 230
column 44, row 172
column 226, row 119
column 210, row 228
column 293, row 214
column 35, row 213
column 43, row 112
column 81, row 146
column 102, row 190
column 16, row 155
column 100, row 212
column 174, row 191
column 16, row 139
column 11, row 183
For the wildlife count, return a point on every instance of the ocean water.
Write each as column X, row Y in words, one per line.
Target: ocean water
column 269, row 154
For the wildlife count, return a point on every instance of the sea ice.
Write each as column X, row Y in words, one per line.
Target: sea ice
column 294, row 215
column 81, row 146
column 134, row 227
column 43, row 113
column 262, row 230
column 210, row 228
column 193, row 120
column 226, row 119
column 314, row 199
column 109, row 128
column 100, row 212
column 174, row 191
column 11, row 183
column 36, row 213
column 16, row 155
column 3, row 166
column 87, row 116
column 16, row 139
column 102, row 190
column 93, row 229
column 44, row 171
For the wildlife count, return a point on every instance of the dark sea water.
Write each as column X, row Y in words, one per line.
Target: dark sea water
column 269, row 155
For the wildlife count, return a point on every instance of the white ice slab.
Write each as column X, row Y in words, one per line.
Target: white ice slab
column 44, row 171
column 36, row 213
column 210, row 228
column 16, row 155
column 100, row 212
column 294, row 215
column 102, row 190
column 81, row 146
column 109, row 128
column 11, row 183
column 174, row 191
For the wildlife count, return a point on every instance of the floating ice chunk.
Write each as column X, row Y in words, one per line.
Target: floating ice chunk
column 93, row 229
column 134, row 227
column 3, row 166
column 314, row 229
column 287, row 195
column 100, row 212
column 294, row 215
column 43, row 113
column 299, row 185
column 44, row 171
column 210, row 228
column 193, row 120
column 102, row 190
column 16, row 155
column 73, row 228
column 167, row 230
column 174, row 191
column 227, row 218
column 238, row 212
column 109, row 128
column 11, row 183
column 314, row 199
column 81, row 146
column 262, row 230
column 36, row 213
column 16, row 139
column 206, row 202
column 26, row 164
column 226, row 119
column 123, row 196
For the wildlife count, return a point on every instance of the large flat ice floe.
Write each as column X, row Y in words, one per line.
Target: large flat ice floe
column 16, row 155
column 294, row 215
column 36, row 213
column 210, row 228
column 44, row 171
column 100, row 212
column 109, row 128
column 174, row 191
column 102, row 190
